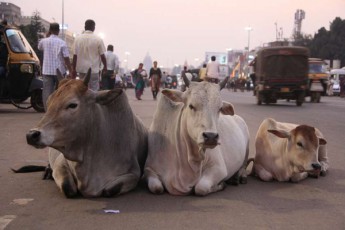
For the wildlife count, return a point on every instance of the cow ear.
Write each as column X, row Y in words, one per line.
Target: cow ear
column 227, row 109
column 279, row 133
column 322, row 141
column 107, row 96
column 173, row 95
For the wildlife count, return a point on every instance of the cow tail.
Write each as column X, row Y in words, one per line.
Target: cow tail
column 29, row 168
column 48, row 172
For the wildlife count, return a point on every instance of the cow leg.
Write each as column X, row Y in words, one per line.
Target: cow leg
column 63, row 177
column 296, row 177
column 211, row 180
column 206, row 186
column 263, row 173
column 323, row 159
column 121, row 184
column 154, row 183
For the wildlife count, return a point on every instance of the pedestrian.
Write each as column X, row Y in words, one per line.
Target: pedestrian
column 155, row 77
column 202, row 72
column 89, row 52
column 188, row 75
column 139, row 76
column 212, row 71
column 330, row 86
column 163, row 79
column 55, row 56
column 108, row 77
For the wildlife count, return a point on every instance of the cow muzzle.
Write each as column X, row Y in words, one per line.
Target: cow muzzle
column 210, row 139
column 33, row 138
column 316, row 166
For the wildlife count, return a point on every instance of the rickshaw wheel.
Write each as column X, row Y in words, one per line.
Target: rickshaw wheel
column 37, row 101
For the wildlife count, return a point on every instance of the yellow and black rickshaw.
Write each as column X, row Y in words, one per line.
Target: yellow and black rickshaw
column 318, row 79
column 19, row 70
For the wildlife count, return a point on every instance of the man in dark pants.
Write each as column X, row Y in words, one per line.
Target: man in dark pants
column 108, row 78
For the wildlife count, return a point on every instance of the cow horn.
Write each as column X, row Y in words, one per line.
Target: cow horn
column 87, row 78
column 59, row 76
column 185, row 79
column 223, row 83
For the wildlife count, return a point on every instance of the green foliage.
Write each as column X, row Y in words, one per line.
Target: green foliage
column 326, row 44
column 33, row 31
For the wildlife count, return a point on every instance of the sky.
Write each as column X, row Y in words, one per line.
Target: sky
column 175, row 31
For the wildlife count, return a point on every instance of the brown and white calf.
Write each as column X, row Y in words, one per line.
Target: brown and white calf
column 289, row 152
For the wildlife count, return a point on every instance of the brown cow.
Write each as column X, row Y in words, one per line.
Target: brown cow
column 286, row 151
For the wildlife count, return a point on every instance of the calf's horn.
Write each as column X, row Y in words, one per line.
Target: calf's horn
column 87, row 77
column 223, row 83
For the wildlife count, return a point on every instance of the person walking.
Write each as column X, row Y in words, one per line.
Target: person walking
column 139, row 75
column 108, row 77
column 330, row 86
column 202, row 72
column 89, row 52
column 212, row 71
column 55, row 56
column 155, row 77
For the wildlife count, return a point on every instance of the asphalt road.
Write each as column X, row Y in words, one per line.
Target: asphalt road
column 27, row 202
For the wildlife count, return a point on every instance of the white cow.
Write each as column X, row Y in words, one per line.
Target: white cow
column 196, row 143
column 289, row 152
column 98, row 145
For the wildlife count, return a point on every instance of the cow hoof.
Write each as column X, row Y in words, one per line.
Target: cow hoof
column 155, row 185
column 323, row 173
column 243, row 180
column 48, row 173
column 113, row 191
column 68, row 190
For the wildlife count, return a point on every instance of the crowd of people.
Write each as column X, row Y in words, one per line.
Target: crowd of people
column 89, row 52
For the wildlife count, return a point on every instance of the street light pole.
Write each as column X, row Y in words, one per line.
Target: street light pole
column 248, row 29
column 63, row 22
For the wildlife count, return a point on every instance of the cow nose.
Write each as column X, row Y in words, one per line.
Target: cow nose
column 33, row 137
column 316, row 166
column 210, row 137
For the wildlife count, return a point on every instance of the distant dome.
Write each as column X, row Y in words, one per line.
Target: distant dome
column 147, row 62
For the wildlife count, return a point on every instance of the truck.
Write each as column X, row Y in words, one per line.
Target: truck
column 281, row 73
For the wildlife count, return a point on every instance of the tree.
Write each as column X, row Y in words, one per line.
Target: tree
column 326, row 44
column 33, row 32
column 330, row 44
column 302, row 40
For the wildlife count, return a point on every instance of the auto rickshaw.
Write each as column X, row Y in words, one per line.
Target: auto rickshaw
column 281, row 73
column 19, row 77
column 318, row 79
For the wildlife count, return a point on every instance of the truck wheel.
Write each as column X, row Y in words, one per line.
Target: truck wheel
column 37, row 101
column 300, row 99
column 318, row 97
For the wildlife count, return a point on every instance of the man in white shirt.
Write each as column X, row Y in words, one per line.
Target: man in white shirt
column 55, row 56
column 88, row 50
column 108, row 78
column 212, row 71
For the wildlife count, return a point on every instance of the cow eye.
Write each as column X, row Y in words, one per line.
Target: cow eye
column 299, row 144
column 191, row 107
column 72, row 106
